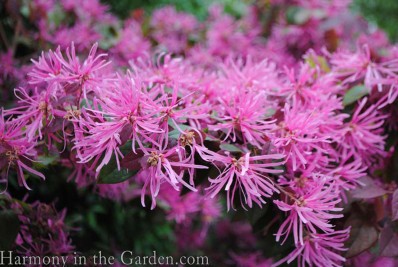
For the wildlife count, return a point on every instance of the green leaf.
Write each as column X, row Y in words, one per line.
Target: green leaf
column 9, row 228
column 318, row 61
column 175, row 134
column 44, row 161
column 111, row 175
column 297, row 15
column 56, row 16
column 355, row 93
column 230, row 148
column 116, row 176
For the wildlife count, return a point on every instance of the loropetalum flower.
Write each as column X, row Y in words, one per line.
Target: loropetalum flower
column 299, row 134
column 319, row 250
column 82, row 34
column 131, row 44
column 86, row 76
column 180, row 208
column 362, row 135
column 355, row 66
column 165, row 166
column 16, row 152
column 243, row 116
column 34, row 112
column 348, row 172
column 172, row 29
column 361, row 65
column 246, row 176
column 43, row 231
column 125, row 115
column 309, row 209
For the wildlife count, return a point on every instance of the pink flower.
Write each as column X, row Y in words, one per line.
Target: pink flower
column 227, row 37
column 243, row 116
column 305, row 87
column 165, row 166
column 172, row 29
column 167, row 70
column 362, row 135
column 366, row 258
column 43, row 231
column 15, row 151
column 321, row 250
column 7, row 66
column 310, row 209
column 246, row 175
column 131, row 44
column 358, row 66
column 84, row 77
column 348, row 172
column 180, row 208
column 46, row 69
column 246, row 75
column 299, row 134
column 82, row 34
column 35, row 112
column 174, row 110
column 127, row 114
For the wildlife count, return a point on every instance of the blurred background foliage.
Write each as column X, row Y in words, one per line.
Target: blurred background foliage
column 381, row 13
column 123, row 8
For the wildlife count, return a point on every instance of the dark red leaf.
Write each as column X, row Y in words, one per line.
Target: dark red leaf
column 394, row 205
column 388, row 242
column 132, row 161
column 369, row 190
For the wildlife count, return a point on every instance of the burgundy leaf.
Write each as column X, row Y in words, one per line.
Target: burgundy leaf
column 394, row 205
column 388, row 242
column 369, row 190
column 132, row 161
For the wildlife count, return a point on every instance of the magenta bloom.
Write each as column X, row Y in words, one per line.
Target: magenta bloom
column 131, row 44
column 165, row 166
column 84, row 77
column 126, row 115
column 35, row 112
column 15, row 151
column 320, row 250
column 172, row 29
column 82, row 34
column 180, row 208
column 254, row 104
column 299, row 135
column 243, row 116
column 349, row 172
column 309, row 210
column 362, row 135
column 358, row 66
column 43, row 232
column 46, row 69
column 247, row 175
